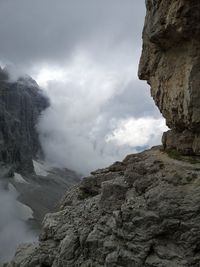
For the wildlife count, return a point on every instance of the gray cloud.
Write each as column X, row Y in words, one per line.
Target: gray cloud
column 85, row 53
column 134, row 101
column 76, row 49
column 48, row 30
column 90, row 103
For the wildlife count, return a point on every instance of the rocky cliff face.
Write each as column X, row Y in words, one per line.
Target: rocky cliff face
column 142, row 212
column 145, row 210
column 21, row 103
column 170, row 63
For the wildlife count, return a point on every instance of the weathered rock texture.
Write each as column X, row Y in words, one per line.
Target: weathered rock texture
column 145, row 210
column 170, row 63
column 142, row 212
column 21, row 103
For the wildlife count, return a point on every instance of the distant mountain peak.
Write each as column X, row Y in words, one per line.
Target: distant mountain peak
column 21, row 103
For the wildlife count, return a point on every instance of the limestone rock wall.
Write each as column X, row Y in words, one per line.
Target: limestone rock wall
column 170, row 62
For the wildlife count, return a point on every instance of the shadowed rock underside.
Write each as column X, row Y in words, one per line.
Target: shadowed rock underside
column 170, row 62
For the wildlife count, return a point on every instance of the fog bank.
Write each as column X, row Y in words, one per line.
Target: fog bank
column 98, row 113
column 13, row 229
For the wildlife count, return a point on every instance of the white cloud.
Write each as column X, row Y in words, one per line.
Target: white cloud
column 138, row 132
column 74, row 130
column 48, row 74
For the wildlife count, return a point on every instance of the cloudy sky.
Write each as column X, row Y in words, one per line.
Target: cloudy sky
column 85, row 55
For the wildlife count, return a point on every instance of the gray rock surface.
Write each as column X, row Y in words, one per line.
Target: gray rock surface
column 21, row 103
column 144, row 211
column 170, row 62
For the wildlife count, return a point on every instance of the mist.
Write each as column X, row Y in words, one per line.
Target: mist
column 85, row 57
column 13, row 228
column 99, row 113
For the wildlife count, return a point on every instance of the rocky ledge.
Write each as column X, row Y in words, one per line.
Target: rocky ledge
column 143, row 211
column 170, row 63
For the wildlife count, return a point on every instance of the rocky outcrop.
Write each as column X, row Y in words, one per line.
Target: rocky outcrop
column 170, row 63
column 21, row 103
column 144, row 211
